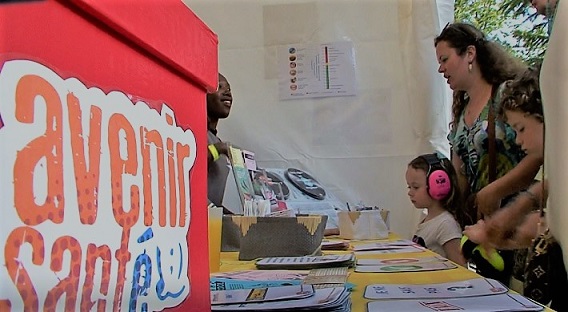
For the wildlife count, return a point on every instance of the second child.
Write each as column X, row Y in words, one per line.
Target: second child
column 432, row 185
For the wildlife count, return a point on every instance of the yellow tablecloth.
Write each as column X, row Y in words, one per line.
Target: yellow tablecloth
column 230, row 262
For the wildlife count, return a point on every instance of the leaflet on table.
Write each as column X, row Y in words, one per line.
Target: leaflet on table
column 503, row 302
column 407, row 249
column 261, row 294
column 468, row 288
column 306, row 261
column 248, row 279
column 405, row 260
column 328, row 298
column 411, row 267
column 229, row 284
column 396, row 244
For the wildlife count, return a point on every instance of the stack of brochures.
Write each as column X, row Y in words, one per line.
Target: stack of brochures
column 306, row 262
column 284, row 298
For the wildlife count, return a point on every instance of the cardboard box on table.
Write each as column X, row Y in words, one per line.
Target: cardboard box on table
column 103, row 155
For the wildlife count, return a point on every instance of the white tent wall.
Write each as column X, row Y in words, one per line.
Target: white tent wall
column 357, row 146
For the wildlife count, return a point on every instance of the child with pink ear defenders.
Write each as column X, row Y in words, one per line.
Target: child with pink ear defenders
column 432, row 184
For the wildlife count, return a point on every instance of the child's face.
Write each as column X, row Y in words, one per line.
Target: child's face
column 530, row 132
column 417, row 188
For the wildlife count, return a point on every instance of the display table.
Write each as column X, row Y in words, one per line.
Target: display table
column 230, row 262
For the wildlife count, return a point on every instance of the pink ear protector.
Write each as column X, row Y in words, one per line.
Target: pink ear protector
column 438, row 180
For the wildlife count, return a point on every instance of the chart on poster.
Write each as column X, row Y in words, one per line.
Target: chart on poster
column 316, row 70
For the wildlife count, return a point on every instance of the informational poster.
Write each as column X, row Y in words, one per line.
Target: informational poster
column 316, row 70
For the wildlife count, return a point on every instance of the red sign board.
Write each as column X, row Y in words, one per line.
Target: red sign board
column 103, row 163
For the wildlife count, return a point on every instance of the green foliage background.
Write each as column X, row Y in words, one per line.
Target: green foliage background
column 513, row 23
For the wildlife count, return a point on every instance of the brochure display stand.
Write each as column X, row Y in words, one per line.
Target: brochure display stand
column 103, row 149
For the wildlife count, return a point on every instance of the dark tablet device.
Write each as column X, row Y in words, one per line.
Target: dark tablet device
column 305, row 183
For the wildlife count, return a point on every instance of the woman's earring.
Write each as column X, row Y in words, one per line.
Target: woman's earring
column 470, row 67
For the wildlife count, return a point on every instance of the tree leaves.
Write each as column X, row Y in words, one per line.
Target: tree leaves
column 510, row 22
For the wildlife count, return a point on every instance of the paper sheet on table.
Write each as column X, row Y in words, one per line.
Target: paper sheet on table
column 414, row 267
column 468, row 288
column 504, row 302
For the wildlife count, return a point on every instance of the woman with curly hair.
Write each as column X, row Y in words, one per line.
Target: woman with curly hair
column 476, row 69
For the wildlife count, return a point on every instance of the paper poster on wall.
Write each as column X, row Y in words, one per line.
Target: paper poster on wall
column 316, row 70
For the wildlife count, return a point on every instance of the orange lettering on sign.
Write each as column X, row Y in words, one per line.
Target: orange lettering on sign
column 94, row 253
column 182, row 153
column 87, row 179
column 149, row 138
column 46, row 147
column 70, row 284
column 17, row 238
column 119, row 126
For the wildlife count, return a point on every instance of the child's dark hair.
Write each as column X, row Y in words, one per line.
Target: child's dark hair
column 523, row 95
column 452, row 203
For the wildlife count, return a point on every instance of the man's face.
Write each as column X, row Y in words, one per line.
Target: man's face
column 219, row 103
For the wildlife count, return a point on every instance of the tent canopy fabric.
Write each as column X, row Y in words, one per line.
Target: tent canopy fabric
column 357, row 146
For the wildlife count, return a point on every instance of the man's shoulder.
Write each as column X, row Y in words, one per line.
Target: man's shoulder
column 212, row 138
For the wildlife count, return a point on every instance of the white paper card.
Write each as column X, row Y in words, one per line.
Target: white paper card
column 467, row 288
column 504, row 302
column 394, row 261
column 415, row 267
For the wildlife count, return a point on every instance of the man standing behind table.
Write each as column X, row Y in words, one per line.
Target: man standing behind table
column 218, row 107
